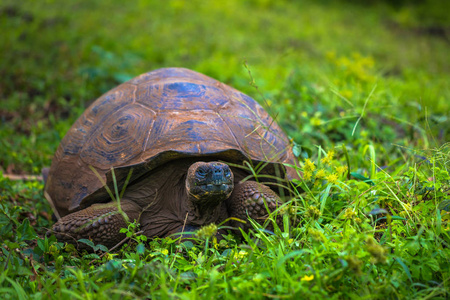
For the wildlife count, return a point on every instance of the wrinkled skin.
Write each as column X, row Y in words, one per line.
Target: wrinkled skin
column 208, row 192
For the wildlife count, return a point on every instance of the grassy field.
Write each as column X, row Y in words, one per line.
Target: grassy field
column 362, row 90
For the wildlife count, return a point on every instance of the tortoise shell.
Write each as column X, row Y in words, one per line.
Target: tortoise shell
column 157, row 117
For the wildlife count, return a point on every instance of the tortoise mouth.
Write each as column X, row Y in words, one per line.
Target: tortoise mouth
column 211, row 192
column 213, row 189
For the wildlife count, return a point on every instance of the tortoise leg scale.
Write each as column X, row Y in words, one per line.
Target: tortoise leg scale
column 249, row 199
column 100, row 223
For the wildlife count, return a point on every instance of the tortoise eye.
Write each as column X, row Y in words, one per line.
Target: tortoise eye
column 201, row 172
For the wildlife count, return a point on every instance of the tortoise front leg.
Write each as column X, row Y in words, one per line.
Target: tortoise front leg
column 249, row 199
column 100, row 223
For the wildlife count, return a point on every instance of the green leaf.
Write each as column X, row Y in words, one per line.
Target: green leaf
column 101, row 247
column 290, row 255
column 392, row 217
column 361, row 177
column 25, row 231
column 433, row 264
column 20, row 292
column 412, row 248
column 87, row 242
column 297, row 149
column 140, row 248
column 405, row 268
column 227, row 252
column 41, row 244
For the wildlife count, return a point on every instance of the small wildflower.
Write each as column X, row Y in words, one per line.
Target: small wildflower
column 293, row 210
column 165, row 251
column 327, row 159
column 307, row 175
column 315, row 121
column 313, row 212
column 321, row 173
column 332, row 178
column 316, row 234
column 349, row 213
column 304, row 114
column 307, row 278
column 240, row 255
column 309, row 165
column 216, row 245
column 207, row 231
column 283, row 210
column 341, row 170
column 110, row 256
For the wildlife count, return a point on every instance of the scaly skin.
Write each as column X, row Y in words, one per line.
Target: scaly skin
column 249, row 199
column 100, row 223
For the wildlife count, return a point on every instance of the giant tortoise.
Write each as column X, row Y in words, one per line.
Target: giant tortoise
column 173, row 141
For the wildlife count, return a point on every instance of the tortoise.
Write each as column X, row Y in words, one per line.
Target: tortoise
column 172, row 140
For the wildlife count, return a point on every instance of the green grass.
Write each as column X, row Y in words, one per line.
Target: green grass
column 366, row 82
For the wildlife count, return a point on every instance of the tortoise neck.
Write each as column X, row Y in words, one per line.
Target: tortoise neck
column 206, row 213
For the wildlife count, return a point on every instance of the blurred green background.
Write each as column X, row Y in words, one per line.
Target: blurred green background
column 317, row 66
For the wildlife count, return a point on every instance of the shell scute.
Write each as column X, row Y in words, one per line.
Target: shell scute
column 122, row 137
column 181, row 96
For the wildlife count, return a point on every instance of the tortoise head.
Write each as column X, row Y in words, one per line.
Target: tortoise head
column 209, row 183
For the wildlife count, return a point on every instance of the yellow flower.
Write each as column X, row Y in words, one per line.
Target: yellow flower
column 349, row 213
column 321, row 173
column 307, row 175
column 307, row 278
column 315, row 234
column 309, row 165
column 313, row 212
column 327, row 159
column 207, row 231
column 332, row 178
column 241, row 254
column 165, row 251
column 110, row 256
column 315, row 121
column 341, row 169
